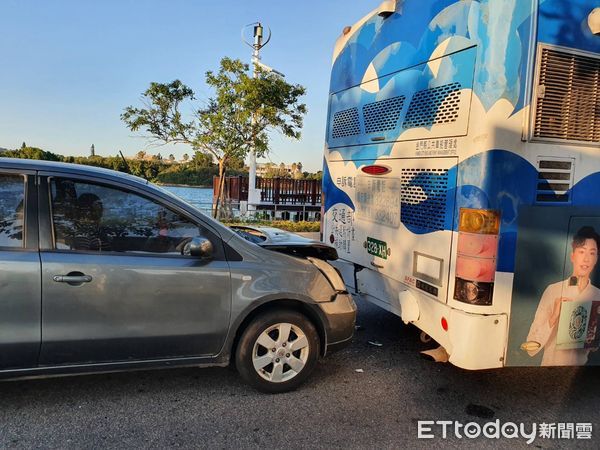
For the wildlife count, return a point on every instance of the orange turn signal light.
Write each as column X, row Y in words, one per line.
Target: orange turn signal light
column 480, row 221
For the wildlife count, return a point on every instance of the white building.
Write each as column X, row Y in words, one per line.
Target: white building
column 290, row 169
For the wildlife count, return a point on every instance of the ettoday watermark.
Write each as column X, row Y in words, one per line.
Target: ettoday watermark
column 444, row 429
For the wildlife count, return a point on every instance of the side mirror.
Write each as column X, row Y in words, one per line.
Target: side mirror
column 199, row 247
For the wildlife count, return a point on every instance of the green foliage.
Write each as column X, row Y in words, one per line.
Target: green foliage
column 202, row 161
column 244, row 109
column 288, row 225
column 237, row 165
column 199, row 177
column 148, row 169
column 32, row 153
column 199, row 171
column 313, row 176
column 161, row 117
column 140, row 168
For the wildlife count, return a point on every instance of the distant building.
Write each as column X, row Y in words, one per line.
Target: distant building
column 142, row 155
column 263, row 168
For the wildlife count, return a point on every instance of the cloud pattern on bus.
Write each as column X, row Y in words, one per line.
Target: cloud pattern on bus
column 331, row 193
column 493, row 179
column 463, row 24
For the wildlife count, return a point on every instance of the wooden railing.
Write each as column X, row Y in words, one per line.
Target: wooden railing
column 236, row 188
column 276, row 191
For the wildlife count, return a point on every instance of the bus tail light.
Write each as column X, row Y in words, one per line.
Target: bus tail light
column 376, row 169
column 480, row 221
column 478, row 231
column 478, row 245
column 475, row 269
column 473, row 292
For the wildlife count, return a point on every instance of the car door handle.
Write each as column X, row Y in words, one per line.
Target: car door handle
column 72, row 279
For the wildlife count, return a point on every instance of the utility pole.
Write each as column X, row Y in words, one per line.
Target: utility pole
column 92, row 150
column 257, row 44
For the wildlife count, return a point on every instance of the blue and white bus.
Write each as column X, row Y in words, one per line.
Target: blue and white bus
column 462, row 174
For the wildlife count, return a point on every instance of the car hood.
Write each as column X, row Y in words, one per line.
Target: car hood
column 286, row 242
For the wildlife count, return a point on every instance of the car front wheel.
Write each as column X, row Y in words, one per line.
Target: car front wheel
column 278, row 351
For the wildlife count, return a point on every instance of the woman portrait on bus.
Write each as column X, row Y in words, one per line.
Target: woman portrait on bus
column 578, row 287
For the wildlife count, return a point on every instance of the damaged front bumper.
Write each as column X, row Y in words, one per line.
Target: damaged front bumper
column 340, row 317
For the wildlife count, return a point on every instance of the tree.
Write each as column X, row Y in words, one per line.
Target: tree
column 237, row 164
column 32, row 153
column 202, row 160
column 236, row 119
column 141, row 154
column 172, row 157
column 186, row 156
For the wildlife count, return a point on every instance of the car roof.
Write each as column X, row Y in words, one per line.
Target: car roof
column 75, row 169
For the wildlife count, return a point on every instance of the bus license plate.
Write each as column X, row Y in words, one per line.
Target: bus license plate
column 377, row 248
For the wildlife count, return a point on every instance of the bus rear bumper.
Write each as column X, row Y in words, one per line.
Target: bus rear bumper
column 473, row 341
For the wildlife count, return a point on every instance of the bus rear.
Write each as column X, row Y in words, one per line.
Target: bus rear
column 461, row 161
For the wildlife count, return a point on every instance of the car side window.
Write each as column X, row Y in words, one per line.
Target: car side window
column 12, row 211
column 93, row 217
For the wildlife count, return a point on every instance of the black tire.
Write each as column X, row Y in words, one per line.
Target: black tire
column 249, row 350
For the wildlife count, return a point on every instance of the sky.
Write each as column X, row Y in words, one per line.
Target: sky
column 68, row 68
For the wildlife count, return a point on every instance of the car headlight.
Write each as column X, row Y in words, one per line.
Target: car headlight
column 330, row 272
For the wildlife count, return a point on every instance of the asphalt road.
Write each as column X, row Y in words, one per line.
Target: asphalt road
column 338, row 407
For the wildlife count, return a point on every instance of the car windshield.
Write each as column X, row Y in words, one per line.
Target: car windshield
column 251, row 235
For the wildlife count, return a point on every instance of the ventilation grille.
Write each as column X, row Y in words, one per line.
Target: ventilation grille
column 434, row 106
column 568, row 105
column 555, row 179
column 423, row 198
column 383, row 115
column 345, row 123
